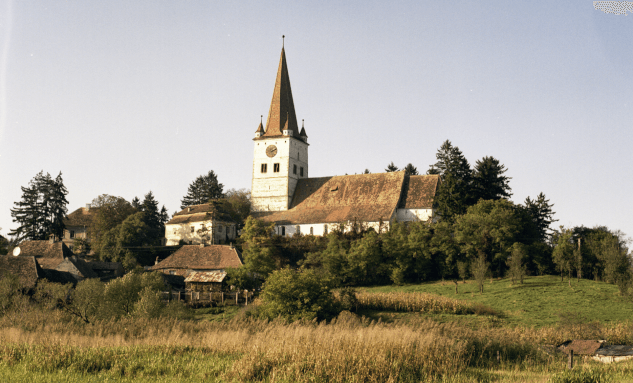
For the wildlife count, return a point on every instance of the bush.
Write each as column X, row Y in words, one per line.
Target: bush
column 295, row 295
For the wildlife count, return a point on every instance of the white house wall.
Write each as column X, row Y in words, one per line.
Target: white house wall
column 175, row 233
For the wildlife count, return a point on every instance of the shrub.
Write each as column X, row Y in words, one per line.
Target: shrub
column 295, row 295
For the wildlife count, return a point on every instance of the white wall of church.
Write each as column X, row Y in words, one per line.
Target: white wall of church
column 409, row 215
column 321, row 229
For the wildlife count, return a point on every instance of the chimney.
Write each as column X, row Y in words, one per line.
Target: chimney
column 202, row 244
column 87, row 207
column 231, row 245
column 156, row 261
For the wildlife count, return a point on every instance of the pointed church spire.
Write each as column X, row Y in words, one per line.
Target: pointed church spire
column 260, row 129
column 282, row 108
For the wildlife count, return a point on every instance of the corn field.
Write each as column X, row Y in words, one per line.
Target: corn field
column 418, row 302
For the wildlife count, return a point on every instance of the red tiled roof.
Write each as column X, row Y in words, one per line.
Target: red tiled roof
column 282, row 108
column 420, row 193
column 213, row 257
column 363, row 197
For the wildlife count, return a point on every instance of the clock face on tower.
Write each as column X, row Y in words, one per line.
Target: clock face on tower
column 271, row 151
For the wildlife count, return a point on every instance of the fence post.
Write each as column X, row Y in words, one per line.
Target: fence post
column 222, row 297
column 237, row 296
column 246, row 294
column 570, row 360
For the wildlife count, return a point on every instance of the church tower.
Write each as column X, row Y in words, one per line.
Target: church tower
column 281, row 150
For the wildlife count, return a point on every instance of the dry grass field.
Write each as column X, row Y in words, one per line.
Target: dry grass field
column 47, row 346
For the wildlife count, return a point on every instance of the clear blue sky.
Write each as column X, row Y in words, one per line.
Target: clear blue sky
column 124, row 97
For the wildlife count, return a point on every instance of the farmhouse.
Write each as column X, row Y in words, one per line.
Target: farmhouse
column 77, row 224
column 208, row 223
column 283, row 193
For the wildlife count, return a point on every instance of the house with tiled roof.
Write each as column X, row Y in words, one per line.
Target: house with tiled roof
column 57, row 257
column 199, row 265
column 209, row 223
column 283, row 193
column 77, row 224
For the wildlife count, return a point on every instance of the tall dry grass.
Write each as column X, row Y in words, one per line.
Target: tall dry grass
column 349, row 348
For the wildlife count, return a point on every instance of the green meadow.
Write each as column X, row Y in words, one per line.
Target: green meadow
column 540, row 301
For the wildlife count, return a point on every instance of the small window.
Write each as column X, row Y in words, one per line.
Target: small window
column 276, row 168
column 192, row 229
column 283, row 230
column 72, row 234
column 311, row 231
column 264, row 168
column 294, row 169
column 172, row 272
column 301, row 171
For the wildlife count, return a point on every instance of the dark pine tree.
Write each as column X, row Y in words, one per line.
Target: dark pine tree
column 136, row 203
column 411, row 170
column 152, row 217
column 489, row 181
column 391, row 168
column 42, row 209
column 202, row 190
column 540, row 210
column 454, row 195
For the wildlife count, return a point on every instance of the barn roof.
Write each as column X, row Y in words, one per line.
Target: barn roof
column 25, row 268
column 362, row 197
column 211, row 257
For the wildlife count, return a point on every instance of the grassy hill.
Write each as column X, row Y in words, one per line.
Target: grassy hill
column 539, row 301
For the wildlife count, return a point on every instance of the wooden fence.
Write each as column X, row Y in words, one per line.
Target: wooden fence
column 199, row 297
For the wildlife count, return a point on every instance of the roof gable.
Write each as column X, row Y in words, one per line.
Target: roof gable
column 213, row 257
column 80, row 217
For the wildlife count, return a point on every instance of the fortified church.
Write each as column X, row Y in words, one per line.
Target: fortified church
column 283, row 193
